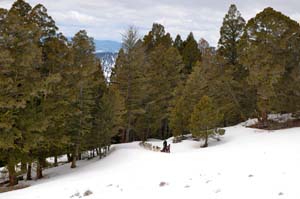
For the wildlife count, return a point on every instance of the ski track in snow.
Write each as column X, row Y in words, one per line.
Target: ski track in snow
column 246, row 163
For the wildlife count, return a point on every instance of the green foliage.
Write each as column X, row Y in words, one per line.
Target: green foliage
column 190, row 54
column 127, row 79
column 265, row 53
column 177, row 118
column 178, row 43
column 230, row 33
column 50, row 90
column 157, row 36
column 162, row 76
column 205, row 116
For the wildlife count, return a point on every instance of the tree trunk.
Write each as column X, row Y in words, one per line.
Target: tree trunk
column 74, row 156
column 28, row 176
column 12, row 172
column 55, row 161
column 105, row 151
column 206, row 140
column 69, row 157
column 264, row 117
column 168, row 130
column 127, row 134
column 39, row 169
column 23, row 166
column 100, row 152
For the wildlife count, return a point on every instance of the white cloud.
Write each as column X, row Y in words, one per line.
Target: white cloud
column 75, row 17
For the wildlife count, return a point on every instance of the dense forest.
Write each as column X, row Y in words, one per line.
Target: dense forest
column 55, row 100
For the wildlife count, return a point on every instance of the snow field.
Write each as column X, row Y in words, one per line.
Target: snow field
column 246, row 163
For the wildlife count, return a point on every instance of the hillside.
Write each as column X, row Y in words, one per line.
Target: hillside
column 246, row 163
column 108, row 60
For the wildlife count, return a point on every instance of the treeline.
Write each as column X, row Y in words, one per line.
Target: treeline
column 175, row 87
column 53, row 97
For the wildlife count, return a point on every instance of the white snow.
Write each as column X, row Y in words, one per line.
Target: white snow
column 246, row 163
column 281, row 118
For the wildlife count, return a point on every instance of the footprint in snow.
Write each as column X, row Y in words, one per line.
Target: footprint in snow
column 162, row 184
column 77, row 194
column 217, row 190
column 87, row 193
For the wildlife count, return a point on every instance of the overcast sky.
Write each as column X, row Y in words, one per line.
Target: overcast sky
column 107, row 19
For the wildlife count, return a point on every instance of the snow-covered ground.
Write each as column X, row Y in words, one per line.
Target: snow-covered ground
column 246, row 163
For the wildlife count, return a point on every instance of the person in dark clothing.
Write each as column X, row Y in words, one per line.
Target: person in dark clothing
column 165, row 144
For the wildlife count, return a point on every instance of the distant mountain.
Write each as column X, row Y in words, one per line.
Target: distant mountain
column 107, row 46
column 108, row 60
column 107, row 51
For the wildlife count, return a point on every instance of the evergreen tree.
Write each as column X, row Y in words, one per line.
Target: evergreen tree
column 53, row 102
column 20, row 80
column 162, row 77
column 234, row 78
column 157, row 36
column 178, row 123
column 230, row 34
column 178, row 43
column 127, row 79
column 85, row 66
column 265, row 54
column 40, row 17
column 204, row 120
column 190, row 54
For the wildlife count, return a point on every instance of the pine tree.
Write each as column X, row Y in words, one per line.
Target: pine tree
column 20, row 80
column 178, row 43
column 162, row 77
column 157, row 36
column 127, row 79
column 53, row 102
column 40, row 17
column 234, row 78
column 190, row 54
column 178, row 123
column 204, row 120
column 85, row 66
column 265, row 54
column 230, row 34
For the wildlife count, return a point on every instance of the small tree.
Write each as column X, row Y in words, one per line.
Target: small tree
column 204, row 120
column 177, row 117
